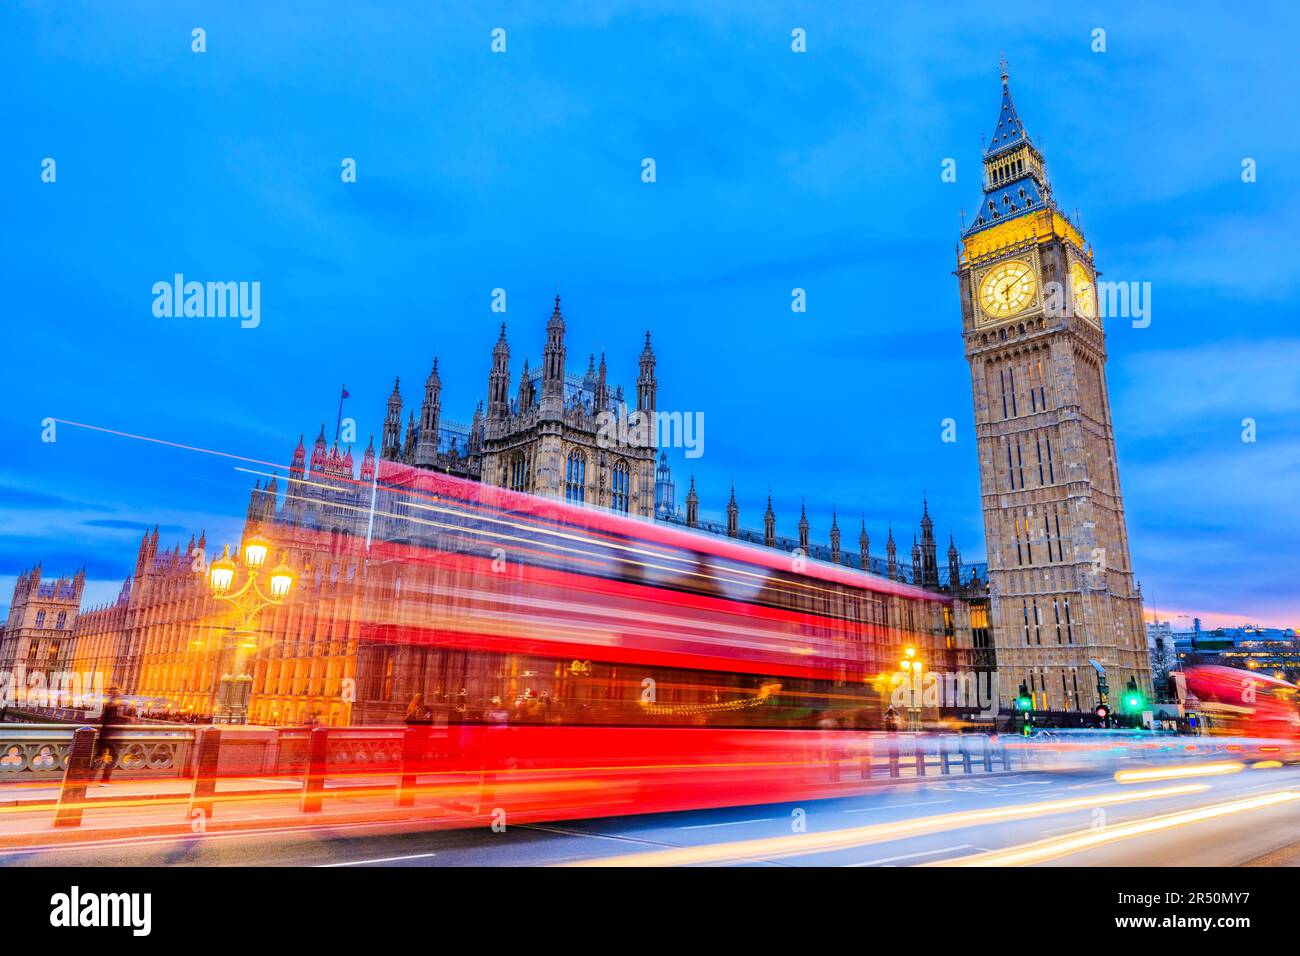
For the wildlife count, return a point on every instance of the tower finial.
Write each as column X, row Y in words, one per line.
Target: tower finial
column 1003, row 64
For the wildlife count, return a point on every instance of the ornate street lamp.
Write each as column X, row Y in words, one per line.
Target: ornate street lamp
column 248, row 600
column 912, row 666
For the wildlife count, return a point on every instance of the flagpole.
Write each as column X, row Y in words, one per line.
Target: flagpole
column 338, row 422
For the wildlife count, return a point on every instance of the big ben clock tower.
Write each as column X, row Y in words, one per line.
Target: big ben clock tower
column 1064, row 605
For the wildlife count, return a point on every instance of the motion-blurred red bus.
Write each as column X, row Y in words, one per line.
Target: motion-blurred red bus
column 1245, row 703
column 493, row 602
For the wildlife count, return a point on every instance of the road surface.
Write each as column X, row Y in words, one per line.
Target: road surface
column 1247, row 817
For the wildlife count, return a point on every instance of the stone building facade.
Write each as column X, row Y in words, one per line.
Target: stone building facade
column 551, row 439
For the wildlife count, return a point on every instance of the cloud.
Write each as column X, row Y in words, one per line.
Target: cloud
column 35, row 498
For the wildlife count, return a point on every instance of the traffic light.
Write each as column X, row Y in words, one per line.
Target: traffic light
column 1133, row 701
column 1024, row 701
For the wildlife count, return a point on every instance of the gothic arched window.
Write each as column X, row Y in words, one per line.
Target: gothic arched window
column 620, row 487
column 519, row 474
column 575, row 477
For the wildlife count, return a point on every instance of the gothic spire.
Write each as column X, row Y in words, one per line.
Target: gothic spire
column 426, row 446
column 1010, row 131
column 954, row 565
column 1015, row 179
column 391, row 443
column 499, row 379
column 553, row 362
column 602, row 388
column 646, row 386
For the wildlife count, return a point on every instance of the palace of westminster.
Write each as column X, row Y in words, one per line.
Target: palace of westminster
column 1055, row 603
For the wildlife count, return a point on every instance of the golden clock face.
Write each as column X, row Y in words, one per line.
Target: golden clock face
column 1007, row 288
column 1085, row 293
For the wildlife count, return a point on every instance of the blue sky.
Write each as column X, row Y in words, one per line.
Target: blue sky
column 522, row 170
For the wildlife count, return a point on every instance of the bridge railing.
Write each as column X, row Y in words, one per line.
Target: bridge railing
column 30, row 752
column 466, row 762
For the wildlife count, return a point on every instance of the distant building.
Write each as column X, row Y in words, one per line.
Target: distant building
column 665, row 490
column 1278, row 656
column 1160, row 648
column 37, row 635
column 1272, row 650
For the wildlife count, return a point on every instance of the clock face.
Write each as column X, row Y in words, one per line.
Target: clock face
column 1084, row 292
column 1007, row 288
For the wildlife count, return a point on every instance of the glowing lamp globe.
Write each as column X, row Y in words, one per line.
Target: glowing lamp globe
column 222, row 573
column 255, row 551
column 281, row 580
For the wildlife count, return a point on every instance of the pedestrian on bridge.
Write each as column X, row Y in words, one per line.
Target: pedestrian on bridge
column 113, row 717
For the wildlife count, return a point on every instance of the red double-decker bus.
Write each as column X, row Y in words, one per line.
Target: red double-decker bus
column 491, row 600
column 1245, row 703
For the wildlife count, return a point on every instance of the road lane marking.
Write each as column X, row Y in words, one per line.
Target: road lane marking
column 910, row 856
column 1043, row 850
column 729, row 823
column 617, row 838
column 382, row 859
column 804, row 844
column 898, row 806
column 1027, row 783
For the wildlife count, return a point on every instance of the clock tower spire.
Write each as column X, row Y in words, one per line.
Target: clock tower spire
column 1015, row 177
column 1063, row 599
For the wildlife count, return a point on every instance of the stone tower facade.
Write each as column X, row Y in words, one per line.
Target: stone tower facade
column 1064, row 604
column 37, row 636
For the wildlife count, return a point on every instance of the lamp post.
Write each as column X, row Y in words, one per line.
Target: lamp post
column 248, row 601
column 912, row 666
